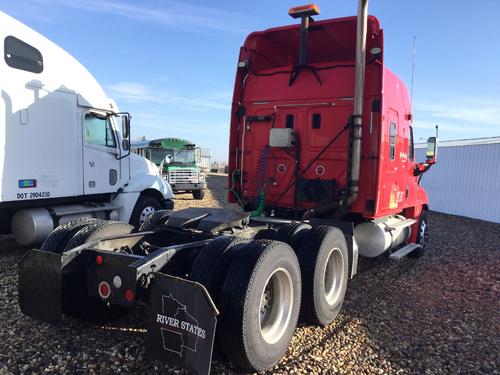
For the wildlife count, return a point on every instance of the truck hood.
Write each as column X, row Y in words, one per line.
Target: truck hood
column 146, row 175
column 140, row 165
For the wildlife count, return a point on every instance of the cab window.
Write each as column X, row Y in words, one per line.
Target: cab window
column 98, row 131
column 392, row 141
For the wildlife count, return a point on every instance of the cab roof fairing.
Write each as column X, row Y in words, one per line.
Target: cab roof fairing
column 61, row 71
column 341, row 32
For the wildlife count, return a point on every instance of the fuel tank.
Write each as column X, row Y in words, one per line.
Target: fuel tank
column 376, row 237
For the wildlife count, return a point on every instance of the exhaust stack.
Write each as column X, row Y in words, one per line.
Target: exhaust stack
column 358, row 98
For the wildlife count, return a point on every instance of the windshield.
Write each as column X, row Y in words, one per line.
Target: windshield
column 158, row 154
column 184, row 156
column 178, row 156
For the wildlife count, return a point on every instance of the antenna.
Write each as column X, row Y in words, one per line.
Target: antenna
column 413, row 73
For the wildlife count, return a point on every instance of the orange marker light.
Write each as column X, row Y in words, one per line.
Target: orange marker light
column 304, row 10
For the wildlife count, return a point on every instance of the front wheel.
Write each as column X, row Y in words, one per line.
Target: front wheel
column 422, row 236
column 198, row 194
column 144, row 207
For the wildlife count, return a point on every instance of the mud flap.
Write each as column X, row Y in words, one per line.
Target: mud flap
column 182, row 322
column 39, row 285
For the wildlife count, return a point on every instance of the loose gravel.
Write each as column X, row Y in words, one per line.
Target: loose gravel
column 436, row 314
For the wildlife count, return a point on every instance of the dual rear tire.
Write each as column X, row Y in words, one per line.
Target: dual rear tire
column 262, row 287
column 76, row 300
column 257, row 287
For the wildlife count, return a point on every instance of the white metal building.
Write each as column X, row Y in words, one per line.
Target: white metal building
column 466, row 179
column 205, row 159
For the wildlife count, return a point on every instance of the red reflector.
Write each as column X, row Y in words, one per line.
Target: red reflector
column 129, row 295
column 104, row 290
column 98, row 260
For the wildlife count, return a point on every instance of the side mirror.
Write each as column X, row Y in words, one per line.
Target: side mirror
column 168, row 159
column 125, row 144
column 125, row 126
column 431, row 153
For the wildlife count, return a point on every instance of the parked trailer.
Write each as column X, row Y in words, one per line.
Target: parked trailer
column 65, row 144
column 329, row 162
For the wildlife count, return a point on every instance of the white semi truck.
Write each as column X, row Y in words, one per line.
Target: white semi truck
column 65, row 146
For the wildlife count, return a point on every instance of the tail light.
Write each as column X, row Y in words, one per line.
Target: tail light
column 104, row 290
column 129, row 295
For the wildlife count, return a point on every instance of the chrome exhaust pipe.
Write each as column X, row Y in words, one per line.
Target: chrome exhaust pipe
column 357, row 119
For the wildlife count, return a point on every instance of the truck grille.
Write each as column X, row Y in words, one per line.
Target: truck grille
column 180, row 176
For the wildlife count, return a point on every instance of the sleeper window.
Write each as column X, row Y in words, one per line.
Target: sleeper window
column 20, row 55
column 98, row 131
column 411, row 151
column 392, row 141
column 316, row 121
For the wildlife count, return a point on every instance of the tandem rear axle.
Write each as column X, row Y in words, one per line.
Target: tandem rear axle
column 196, row 269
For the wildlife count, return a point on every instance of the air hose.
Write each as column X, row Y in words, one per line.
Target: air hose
column 261, row 206
column 233, row 190
column 259, row 184
column 261, row 200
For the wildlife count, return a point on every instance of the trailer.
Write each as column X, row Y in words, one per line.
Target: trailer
column 322, row 161
column 65, row 144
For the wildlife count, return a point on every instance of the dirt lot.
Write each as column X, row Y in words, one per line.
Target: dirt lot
column 437, row 314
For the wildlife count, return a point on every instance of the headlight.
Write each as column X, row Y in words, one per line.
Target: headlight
column 202, row 177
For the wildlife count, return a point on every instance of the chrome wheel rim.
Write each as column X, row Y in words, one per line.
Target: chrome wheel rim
column 276, row 304
column 333, row 276
column 145, row 214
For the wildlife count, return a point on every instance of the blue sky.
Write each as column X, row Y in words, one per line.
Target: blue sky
column 172, row 63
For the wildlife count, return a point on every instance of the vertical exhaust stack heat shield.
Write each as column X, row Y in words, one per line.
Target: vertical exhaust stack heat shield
column 358, row 98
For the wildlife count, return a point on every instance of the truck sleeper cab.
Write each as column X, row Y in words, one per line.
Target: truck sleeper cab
column 66, row 144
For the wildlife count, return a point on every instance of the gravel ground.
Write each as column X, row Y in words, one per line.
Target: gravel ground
column 437, row 314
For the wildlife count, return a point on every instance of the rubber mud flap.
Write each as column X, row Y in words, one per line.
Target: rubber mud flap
column 39, row 285
column 181, row 327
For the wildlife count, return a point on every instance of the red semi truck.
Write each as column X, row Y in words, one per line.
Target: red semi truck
column 322, row 161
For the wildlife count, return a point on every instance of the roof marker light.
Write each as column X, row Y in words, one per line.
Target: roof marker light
column 304, row 11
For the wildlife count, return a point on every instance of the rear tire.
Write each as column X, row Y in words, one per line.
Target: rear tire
column 260, row 303
column 98, row 230
column 292, row 234
column 145, row 206
column 212, row 263
column 56, row 241
column 198, row 194
column 76, row 300
column 265, row 234
column 323, row 259
column 154, row 220
column 210, row 268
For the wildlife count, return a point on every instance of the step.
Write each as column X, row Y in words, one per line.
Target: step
column 404, row 251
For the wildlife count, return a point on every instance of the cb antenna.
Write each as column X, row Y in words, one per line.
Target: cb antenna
column 413, row 73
